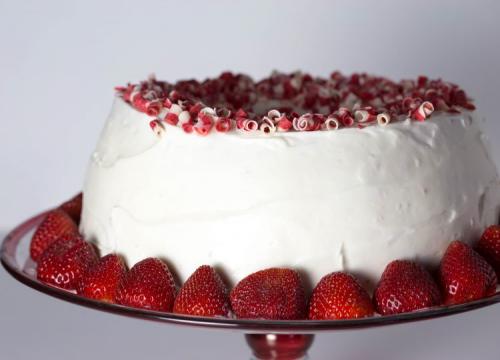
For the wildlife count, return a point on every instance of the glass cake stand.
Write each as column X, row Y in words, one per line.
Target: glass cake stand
column 283, row 340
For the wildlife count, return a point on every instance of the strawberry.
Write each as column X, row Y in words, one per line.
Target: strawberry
column 73, row 207
column 101, row 281
column 65, row 261
column 274, row 294
column 405, row 286
column 55, row 224
column 339, row 296
column 203, row 294
column 489, row 247
column 465, row 275
column 148, row 285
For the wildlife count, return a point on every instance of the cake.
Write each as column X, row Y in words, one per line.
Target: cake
column 343, row 173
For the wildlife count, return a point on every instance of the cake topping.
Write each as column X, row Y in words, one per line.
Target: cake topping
column 290, row 102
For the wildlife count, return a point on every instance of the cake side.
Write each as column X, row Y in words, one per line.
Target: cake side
column 317, row 201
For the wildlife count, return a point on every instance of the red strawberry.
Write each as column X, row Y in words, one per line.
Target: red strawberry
column 339, row 296
column 489, row 247
column 465, row 275
column 73, row 207
column 405, row 286
column 65, row 261
column 203, row 294
column 101, row 281
column 55, row 224
column 148, row 285
column 274, row 294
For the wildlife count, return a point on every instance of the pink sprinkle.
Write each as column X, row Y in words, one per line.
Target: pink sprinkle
column 240, row 123
column 422, row 81
column 188, row 128
column 346, row 118
column 140, row 103
column 241, row 113
column 284, row 124
column 205, row 119
column 317, row 121
column 153, row 108
column 167, row 103
column 172, row 119
column 223, row 125
column 195, row 109
column 423, row 111
column 364, row 116
column 202, row 130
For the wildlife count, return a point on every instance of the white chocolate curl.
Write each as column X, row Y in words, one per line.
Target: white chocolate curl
column 362, row 116
column 273, row 115
column 209, row 111
column 223, row 112
column 427, row 108
column 184, row 117
column 157, row 128
column 267, row 126
column 250, row 125
column 383, row 119
column 163, row 113
column 301, row 123
column 331, row 123
column 134, row 93
column 423, row 111
column 150, row 95
column 176, row 109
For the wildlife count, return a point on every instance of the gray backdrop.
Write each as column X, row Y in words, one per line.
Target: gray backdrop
column 60, row 60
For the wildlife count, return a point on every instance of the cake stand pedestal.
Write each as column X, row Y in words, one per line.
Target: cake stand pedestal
column 279, row 346
column 269, row 340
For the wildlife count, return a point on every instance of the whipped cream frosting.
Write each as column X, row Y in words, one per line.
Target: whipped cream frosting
column 318, row 201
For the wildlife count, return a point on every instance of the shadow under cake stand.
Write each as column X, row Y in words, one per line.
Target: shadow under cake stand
column 282, row 340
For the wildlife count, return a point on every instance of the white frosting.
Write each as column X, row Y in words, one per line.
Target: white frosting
column 318, row 201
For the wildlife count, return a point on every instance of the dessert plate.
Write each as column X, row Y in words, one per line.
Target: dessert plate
column 268, row 339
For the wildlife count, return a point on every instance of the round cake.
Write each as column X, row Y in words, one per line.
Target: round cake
column 343, row 173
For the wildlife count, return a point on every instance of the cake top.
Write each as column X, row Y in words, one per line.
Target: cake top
column 290, row 102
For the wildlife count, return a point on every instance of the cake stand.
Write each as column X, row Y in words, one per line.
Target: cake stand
column 283, row 340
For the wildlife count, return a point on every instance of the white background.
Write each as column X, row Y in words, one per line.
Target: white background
column 60, row 60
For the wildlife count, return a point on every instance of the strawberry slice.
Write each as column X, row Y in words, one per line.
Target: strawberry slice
column 465, row 275
column 65, row 261
column 489, row 247
column 56, row 224
column 148, row 285
column 73, row 207
column 339, row 296
column 405, row 286
column 203, row 294
column 101, row 281
column 274, row 294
